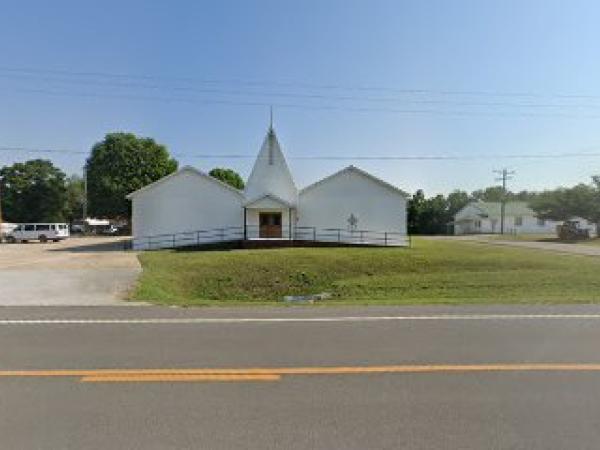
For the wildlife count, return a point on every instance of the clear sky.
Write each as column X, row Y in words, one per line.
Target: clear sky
column 347, row 77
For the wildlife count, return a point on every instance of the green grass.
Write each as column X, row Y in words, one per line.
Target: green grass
column 445, row 272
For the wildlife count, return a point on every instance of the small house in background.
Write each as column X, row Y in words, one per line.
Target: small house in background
column 189, row 206
column 93, row 226
column 484, row 218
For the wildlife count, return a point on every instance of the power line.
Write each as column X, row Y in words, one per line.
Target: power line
column 313, row 107
column 439, row 157
column 300, row 85
column 305, row 96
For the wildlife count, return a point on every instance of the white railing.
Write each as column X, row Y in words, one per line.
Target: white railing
column 333, row 236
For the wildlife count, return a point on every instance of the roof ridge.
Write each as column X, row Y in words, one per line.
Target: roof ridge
column 186, row 168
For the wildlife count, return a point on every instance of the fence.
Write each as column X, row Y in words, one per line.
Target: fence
column 252, row 232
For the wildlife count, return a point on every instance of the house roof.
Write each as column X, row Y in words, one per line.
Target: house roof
column 272, row 197
column 493, row 209
column 354, row 169
column 185, row 169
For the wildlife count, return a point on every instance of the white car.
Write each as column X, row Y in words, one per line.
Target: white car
column 42, row 232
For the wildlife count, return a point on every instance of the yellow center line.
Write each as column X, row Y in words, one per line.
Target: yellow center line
column 173, row 378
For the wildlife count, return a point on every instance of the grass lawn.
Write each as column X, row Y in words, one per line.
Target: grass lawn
column 446, row 272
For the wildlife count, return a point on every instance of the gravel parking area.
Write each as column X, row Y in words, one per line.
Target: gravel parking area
column 579, row 248
column 78, row 271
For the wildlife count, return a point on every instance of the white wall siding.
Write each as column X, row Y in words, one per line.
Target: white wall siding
column 185, row 202
column 329, row 204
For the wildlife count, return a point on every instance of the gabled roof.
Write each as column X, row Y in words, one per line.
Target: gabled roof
column 185, row 169
column 492, row 209
column 272, row 197
column 354, row 169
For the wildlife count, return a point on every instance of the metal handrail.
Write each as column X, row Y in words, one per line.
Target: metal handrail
column 298, row 233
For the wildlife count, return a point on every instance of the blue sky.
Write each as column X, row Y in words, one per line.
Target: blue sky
column 371, row 78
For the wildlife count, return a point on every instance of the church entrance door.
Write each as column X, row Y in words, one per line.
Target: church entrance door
column 270, row 225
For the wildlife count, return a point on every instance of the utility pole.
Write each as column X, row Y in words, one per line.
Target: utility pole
column 85, row 194
column 505, row 175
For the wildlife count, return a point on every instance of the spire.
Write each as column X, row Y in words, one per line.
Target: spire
column 270, row 174
column 271, row 119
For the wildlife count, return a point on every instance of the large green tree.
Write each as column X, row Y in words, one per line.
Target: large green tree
column 33, row 191
column 582, row 200
column 75, row 198
column 432, row 215
column 229, row 176
column 119, row 165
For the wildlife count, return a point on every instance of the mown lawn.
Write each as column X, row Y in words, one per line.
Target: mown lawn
column 431, row 272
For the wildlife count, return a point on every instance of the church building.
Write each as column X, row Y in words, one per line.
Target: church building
column 190, row 207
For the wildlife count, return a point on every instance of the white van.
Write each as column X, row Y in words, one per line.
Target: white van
column 42, row 232
column 5, row 229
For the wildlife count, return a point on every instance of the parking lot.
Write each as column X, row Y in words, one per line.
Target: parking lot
column 77, row 271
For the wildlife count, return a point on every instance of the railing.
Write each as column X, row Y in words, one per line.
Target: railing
column 252, row 232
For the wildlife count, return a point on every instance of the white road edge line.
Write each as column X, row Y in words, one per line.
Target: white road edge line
column 208, row 320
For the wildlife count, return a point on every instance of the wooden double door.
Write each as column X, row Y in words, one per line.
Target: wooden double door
column 269, row 225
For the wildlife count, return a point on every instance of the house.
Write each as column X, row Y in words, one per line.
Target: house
column 484, row 217
column 189, row 207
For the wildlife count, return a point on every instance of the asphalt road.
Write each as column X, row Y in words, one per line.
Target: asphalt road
column 301, row 405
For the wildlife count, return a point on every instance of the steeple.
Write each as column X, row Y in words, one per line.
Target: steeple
column 270, row 174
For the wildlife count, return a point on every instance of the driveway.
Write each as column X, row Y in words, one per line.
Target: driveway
column 78, row 271
column 573, row 249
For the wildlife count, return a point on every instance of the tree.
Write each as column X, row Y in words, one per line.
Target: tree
column 490, row 194
column 582, row 200
column 414, row 208
column 495, row 193
column 432, row 215
column 229, row 176
column 75, row 198
column 457, row 200
column 33, row 191
column 119, row 165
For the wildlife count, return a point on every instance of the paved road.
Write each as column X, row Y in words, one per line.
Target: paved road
column 556, row 407
column 78, row 271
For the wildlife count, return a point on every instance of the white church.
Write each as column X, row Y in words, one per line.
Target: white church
column 189, row 207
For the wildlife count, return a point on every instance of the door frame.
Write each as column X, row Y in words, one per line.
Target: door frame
column 270, row 230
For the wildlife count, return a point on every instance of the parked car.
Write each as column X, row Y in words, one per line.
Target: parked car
column 571, row 230
column 77, row 228
column 42, row 232
column 109, row 230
